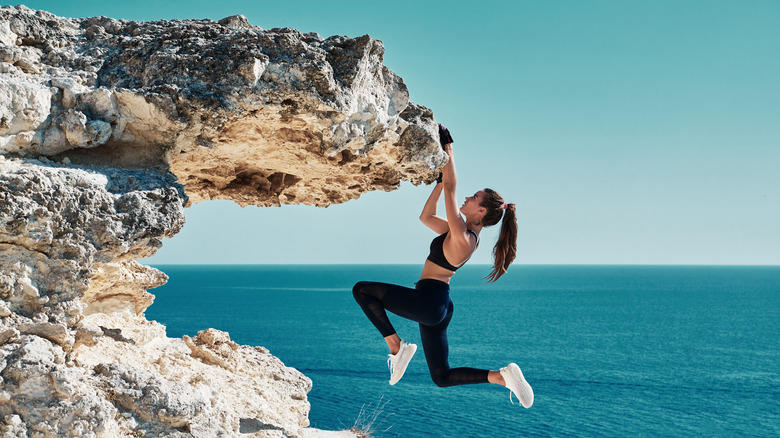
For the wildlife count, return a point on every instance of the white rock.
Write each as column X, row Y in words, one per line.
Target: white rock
column 71, row 89
column 24, row 106
column 6, row 36
column 28, row 288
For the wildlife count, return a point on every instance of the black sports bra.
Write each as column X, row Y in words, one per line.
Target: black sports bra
column 437, row 252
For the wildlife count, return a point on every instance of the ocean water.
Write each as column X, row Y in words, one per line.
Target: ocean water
column 609, row 350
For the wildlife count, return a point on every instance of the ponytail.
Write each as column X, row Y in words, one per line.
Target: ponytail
column 506, row 248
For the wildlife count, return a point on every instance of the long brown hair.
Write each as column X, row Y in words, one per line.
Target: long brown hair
column 506, row 247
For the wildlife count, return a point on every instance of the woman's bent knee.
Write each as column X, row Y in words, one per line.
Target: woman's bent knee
column 358, row 288
column 439, row 380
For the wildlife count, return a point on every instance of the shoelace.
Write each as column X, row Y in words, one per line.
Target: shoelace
column 390, row 362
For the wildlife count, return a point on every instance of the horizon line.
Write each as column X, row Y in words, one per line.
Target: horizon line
column 472, row 264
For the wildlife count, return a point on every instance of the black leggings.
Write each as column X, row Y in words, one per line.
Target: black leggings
column 429, row 305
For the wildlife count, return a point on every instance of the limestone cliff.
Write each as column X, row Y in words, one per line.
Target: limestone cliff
column 109, row 129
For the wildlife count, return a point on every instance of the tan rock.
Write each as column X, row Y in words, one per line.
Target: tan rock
column 8, row 335
column 56, row 333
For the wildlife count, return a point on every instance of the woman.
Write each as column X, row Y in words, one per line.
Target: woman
column 429, row 303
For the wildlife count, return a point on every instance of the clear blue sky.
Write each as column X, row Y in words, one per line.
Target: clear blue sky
column 627, row 132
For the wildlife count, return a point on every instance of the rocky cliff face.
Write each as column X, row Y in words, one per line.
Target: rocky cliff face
column 108, row 130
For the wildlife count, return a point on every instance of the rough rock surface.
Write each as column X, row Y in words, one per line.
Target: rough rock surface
column 109, row 129
column 260, row 117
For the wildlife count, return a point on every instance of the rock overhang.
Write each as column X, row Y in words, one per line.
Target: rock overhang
column 261, row 117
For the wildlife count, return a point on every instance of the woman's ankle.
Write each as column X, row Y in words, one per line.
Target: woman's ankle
column 393, row 342
column 496, row 377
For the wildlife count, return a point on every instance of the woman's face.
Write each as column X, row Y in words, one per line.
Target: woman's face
column 471, row 206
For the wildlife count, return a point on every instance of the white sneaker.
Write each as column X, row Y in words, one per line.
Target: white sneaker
column 399, row 361
column 516, row 382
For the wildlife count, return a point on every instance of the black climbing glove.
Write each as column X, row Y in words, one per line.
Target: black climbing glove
column 444, row 135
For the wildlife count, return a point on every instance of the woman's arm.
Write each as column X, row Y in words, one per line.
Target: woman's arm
column 428, row 215
column 459, row 242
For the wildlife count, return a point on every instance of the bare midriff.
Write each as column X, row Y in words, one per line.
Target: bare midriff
column 436, row 272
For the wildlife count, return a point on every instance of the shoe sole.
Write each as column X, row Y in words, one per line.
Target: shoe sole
column 402, row 366
column 527, row 394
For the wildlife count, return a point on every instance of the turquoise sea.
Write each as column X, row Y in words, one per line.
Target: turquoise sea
column 611, row 351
